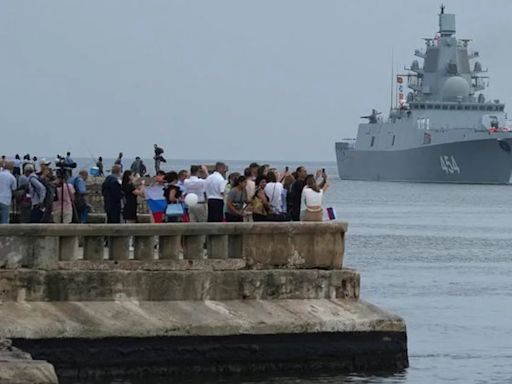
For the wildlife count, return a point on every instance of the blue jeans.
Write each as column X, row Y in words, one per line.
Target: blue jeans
column 36, row 215
column 84, row 215
column 4, row 213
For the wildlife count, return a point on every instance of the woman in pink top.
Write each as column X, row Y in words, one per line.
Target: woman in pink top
column 63, row 208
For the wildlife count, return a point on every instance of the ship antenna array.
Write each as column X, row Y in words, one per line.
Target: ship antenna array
column 392, row 79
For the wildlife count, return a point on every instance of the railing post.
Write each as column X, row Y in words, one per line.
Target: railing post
column 144, row 247
column 68, row 248
column 193, row 247
column 94, row 248
column 235, row 246
column 169, row 247
column 119, row 248
column 217, row 246
column 46, row 252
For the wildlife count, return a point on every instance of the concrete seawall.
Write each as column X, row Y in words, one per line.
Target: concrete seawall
column 242, row 303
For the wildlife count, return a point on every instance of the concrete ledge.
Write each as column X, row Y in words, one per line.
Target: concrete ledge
column 70, row 285
column 155, row 265
column 131, row 318
column 183, row 337
column 17, row 367
column 27, row 372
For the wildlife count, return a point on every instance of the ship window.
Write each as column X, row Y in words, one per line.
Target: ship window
column 437, row 106
column 422, row 106
column 445, row 107
column 482, row 108
column 452, row 107
column 373, row 141
column 467, row 107
column 459, row 107
column 490, row 108
column 474, row 107
column 393, row 141
column 502, row 108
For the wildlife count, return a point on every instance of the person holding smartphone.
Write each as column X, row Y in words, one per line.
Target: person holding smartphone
column 312, row 197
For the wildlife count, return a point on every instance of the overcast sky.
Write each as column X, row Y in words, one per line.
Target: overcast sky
column 215, row 79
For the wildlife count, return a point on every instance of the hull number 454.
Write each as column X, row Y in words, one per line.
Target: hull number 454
column 448, row 164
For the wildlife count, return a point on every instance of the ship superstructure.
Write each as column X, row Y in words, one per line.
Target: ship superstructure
column 442, row 130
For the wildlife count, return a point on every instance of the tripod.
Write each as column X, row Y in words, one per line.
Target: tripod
column 64, row 182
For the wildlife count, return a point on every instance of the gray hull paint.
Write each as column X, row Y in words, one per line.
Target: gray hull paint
column 479, row 162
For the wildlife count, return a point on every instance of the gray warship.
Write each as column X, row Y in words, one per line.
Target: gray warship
column 443, row 130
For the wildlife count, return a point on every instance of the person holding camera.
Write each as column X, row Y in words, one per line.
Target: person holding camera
column 312, row 196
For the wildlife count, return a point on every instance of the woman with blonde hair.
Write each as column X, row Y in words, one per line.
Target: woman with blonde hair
column 312, row 196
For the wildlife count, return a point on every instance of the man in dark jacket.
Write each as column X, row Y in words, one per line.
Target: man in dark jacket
column 112, row 195
column 296, row 192
column 158, row 158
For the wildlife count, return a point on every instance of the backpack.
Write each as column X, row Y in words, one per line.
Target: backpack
column 51, row 192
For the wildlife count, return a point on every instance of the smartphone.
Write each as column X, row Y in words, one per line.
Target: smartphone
column 323, row 170
column 286, row 168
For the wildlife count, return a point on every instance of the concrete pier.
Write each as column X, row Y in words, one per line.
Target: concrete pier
column 243, row 302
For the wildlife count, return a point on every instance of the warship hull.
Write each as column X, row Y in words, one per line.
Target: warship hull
column 487, row 161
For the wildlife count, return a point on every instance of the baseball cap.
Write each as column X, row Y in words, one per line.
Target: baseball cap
column 44, row 162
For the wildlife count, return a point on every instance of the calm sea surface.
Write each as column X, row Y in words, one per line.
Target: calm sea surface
column 438, row 255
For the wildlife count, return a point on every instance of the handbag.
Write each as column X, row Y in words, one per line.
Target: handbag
column 174, row 210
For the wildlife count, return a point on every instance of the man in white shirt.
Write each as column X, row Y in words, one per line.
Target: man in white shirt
column 273, row 190
column 7, row 185
column 215, row 185
column 197, row 186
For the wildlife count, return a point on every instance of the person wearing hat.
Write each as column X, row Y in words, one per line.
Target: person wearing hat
column 37, row 192
column 44, row 166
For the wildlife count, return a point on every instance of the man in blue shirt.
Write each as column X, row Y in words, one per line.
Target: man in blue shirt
column 80, row 186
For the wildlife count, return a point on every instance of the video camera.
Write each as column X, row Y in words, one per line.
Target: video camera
column 60, row 162
column 62, row 168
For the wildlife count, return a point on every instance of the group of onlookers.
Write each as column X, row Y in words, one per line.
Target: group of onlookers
column 44, row 196
column 261, row 193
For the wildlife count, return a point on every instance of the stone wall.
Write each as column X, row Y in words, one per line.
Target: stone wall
column 260, row 245
column 183, row 298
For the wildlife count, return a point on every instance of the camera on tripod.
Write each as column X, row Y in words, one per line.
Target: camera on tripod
column 63, row 168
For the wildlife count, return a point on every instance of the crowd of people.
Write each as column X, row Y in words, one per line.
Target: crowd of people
column 260, row 193
column 48, row 195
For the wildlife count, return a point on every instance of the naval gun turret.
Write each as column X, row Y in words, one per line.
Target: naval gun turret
column 373, row 117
